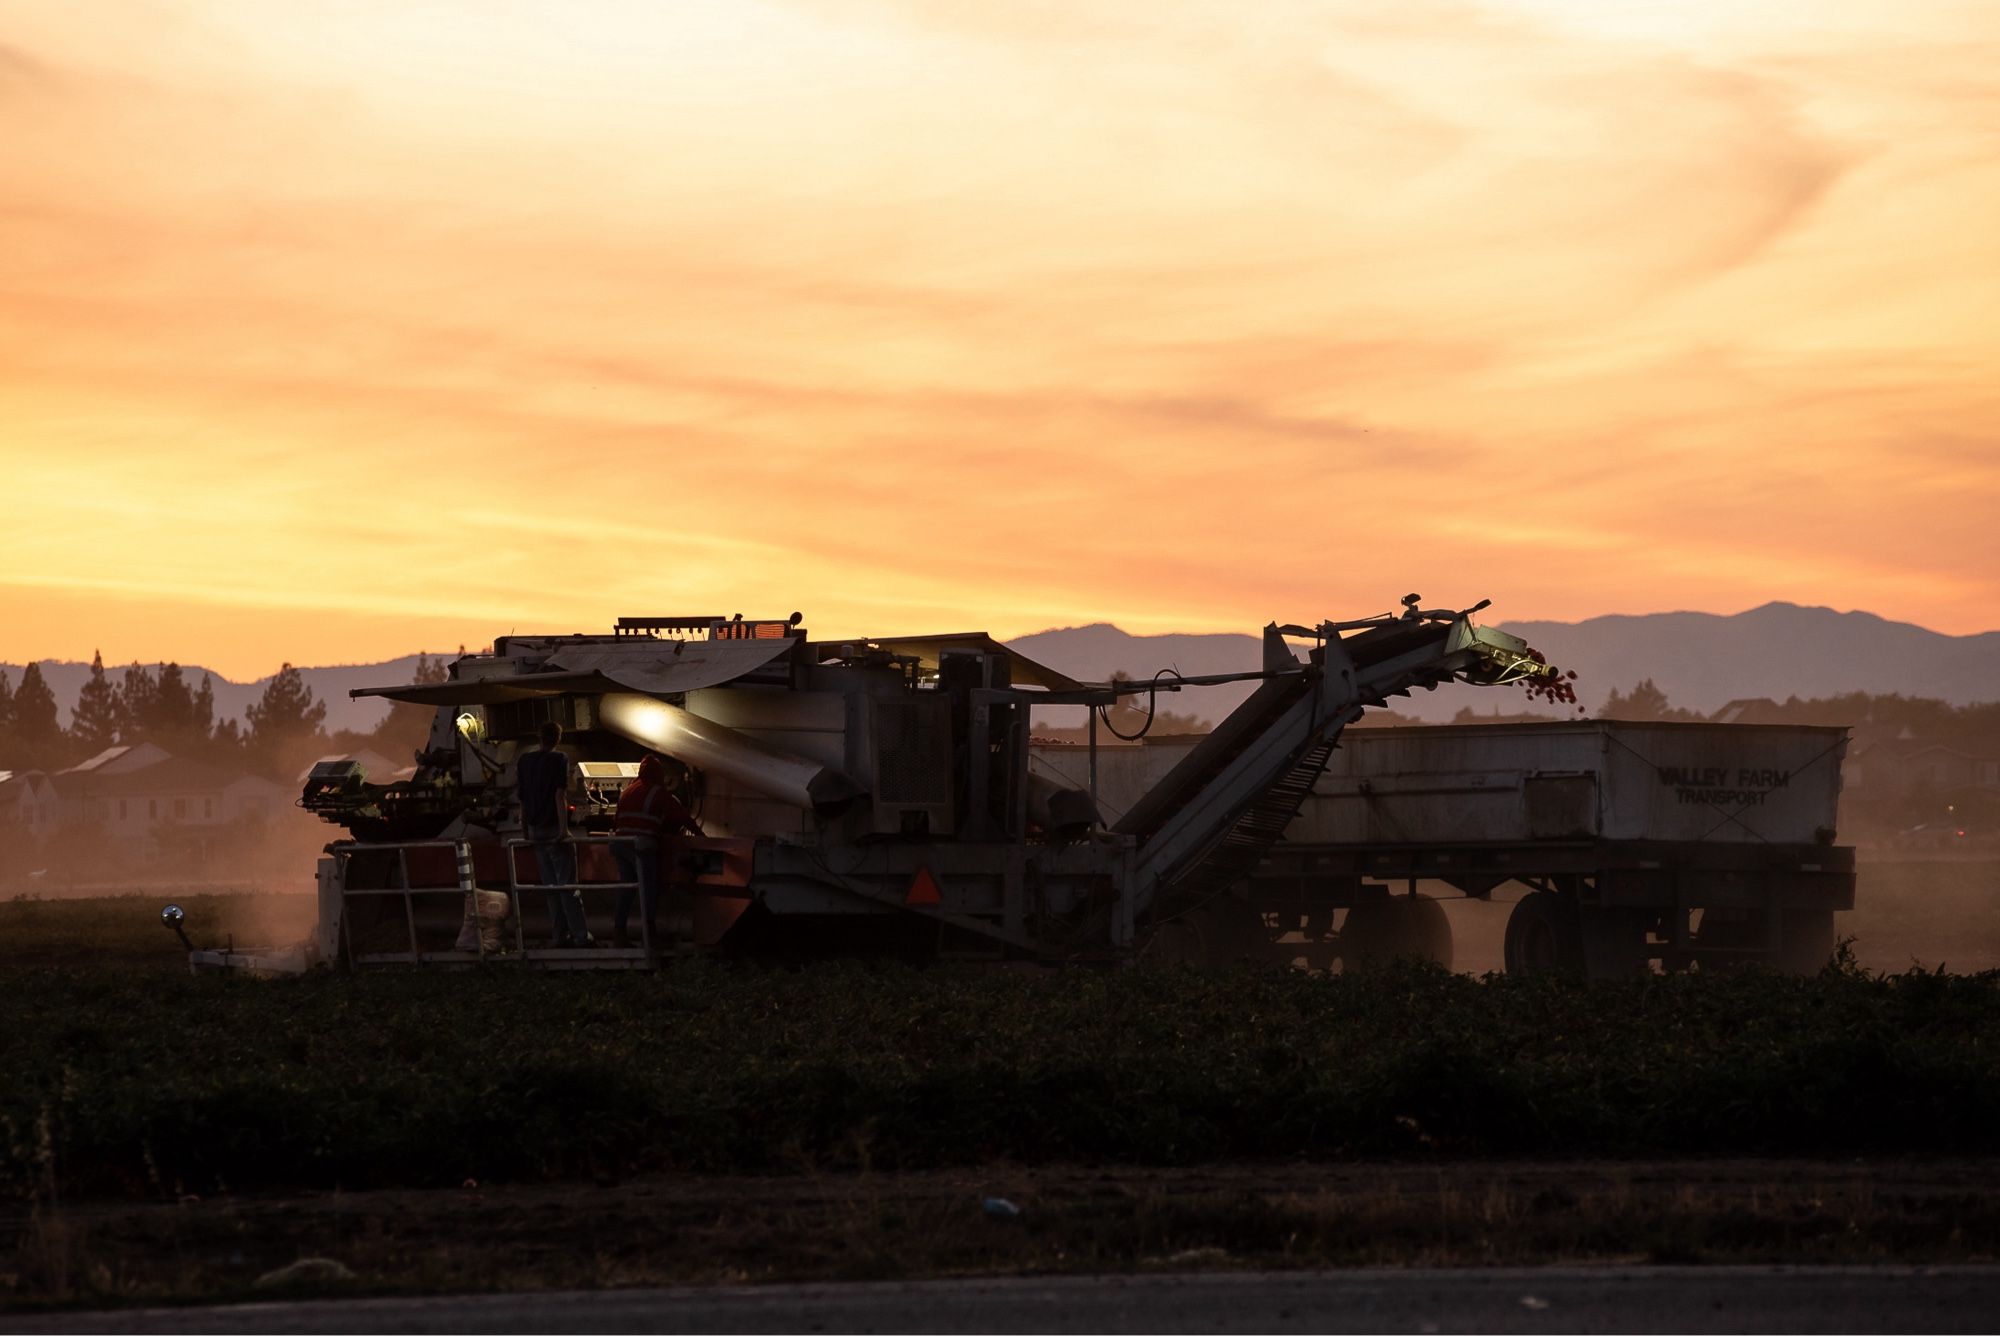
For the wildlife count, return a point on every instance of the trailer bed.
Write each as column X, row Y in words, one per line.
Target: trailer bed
column 1676, row 843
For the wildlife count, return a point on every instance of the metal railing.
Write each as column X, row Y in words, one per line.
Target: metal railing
column 580, row 954
column 467, row 888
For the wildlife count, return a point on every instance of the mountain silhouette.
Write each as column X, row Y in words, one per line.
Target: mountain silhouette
column 1701, row 660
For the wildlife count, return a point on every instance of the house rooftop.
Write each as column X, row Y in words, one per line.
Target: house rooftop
column 122, row 759
column 103, row 758
column 174, row 774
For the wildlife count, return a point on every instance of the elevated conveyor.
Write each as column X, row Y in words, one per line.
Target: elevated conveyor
column 1212, row 816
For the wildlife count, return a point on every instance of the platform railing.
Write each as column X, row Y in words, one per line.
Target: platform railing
column 581, row 955
column 466, row 886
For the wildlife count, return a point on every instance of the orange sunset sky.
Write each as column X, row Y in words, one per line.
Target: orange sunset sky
column 333, row 329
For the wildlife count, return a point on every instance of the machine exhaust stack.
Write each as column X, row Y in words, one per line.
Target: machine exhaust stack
column 714, row 747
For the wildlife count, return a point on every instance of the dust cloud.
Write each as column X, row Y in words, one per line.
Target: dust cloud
column 1907, row 914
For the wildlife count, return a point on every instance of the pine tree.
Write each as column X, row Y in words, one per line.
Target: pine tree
column 173, row 717
column 99, row 716
column 37, row 735
column 136, row 697
column 204, row 708
column 406, row 728
column 284, row 718
column 1643, row 703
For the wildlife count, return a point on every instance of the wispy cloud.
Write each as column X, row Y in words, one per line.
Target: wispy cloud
column 1188, row 314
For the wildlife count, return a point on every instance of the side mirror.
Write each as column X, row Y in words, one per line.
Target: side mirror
column 172, row 917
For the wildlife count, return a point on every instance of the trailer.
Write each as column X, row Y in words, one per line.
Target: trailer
column 856, row 794
column 1639, row 844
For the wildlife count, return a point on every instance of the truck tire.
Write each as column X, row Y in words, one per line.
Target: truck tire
column 1806, row 941
column 1544, row 936
column 1400, row 927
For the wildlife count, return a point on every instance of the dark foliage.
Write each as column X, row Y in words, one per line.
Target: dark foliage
column 152, row 1083
column 99, row 715
column 37, row 737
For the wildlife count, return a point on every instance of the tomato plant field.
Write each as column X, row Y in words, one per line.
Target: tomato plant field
column 137, row 1082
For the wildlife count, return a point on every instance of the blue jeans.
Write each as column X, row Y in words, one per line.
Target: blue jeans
column 638, row 861
column 556, row 861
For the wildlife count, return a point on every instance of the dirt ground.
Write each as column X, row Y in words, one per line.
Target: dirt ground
column 1004, row 1219
column 1930, row 913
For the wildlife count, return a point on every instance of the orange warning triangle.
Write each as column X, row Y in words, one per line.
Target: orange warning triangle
column 923, row 889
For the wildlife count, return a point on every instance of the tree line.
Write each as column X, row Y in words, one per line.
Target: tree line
column 1975, row 727
column 161, row 706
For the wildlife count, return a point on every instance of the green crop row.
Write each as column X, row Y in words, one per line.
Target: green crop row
column 132, row 1082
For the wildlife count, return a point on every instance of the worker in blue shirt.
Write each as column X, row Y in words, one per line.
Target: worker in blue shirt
column 541, row 781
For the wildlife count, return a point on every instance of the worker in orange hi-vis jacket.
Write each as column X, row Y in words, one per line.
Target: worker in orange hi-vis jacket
column 653, row 819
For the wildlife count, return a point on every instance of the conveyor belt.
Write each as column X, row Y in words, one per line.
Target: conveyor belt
column 1260, row 826
column 1232, row 796
column 1246, row 726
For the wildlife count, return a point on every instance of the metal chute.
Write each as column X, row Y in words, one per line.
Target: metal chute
column 719, row 749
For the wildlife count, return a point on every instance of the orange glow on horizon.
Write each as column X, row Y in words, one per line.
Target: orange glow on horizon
column 338, row 329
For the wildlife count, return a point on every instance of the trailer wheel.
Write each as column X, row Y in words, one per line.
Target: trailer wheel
column 1379, row 931
column 1544, row 936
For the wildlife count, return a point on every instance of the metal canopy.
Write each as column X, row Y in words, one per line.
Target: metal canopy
column 667, row 667
column 1026, row 672
column 491, row 690
column 655, row 667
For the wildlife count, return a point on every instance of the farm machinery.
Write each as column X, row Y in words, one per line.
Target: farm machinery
column 855, row 795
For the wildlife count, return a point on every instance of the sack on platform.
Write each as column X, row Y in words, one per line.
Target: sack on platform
column 492, row 908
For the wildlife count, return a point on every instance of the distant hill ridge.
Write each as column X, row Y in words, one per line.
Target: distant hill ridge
column 1701, row 660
